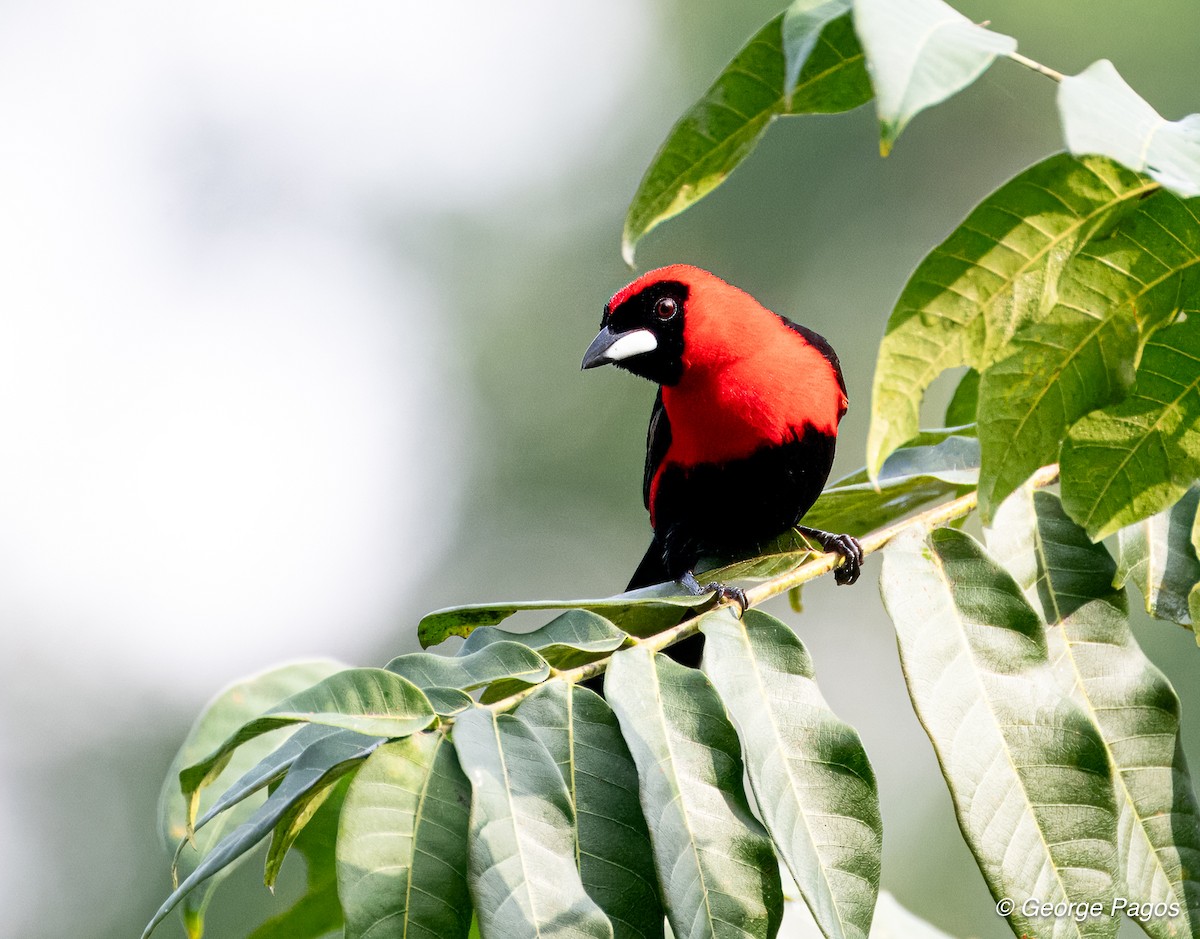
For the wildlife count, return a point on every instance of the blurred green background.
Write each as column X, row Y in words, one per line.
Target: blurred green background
column 423, row 286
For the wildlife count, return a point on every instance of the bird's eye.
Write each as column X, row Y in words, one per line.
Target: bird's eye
column 666, row 308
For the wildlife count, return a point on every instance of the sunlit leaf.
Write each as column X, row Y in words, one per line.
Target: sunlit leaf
column 993, row 274
column 571, row 639
column 725, row 125
column 1099, row 663
column 1026, row 767
column 365, row 700
column 1137, row 457
column 522, row 834
column 716, row 868
column 1159, row 555
column 812, row 782
column 1080, row 354
column 613, row 851
column 402, row 843
column 1102, row 114
column 223, row 715
column 920, row 52
column 322, row 762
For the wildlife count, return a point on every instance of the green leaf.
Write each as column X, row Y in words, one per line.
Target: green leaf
column 639, row 612
column 716, row 869
column 613, row 851
column 365, row 700
column 1134, row 459
column 993, row 274
column 1080, row 355
column 498, row 660
column 965, row 402
column 933, row 465
column 231, row 707
column 522, row 834
column 803, row 23
column 725, row 125
column 317, row 912
column 402, row 843
column 1025, row 765
column 812, row 782
column 919, row 53
column 1159, row 555
column 1102, row 114
column 571, row 639
column 1099, row 663
column 322, row 762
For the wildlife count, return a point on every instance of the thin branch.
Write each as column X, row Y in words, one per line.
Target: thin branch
column 810, row 570
column 1036, row 66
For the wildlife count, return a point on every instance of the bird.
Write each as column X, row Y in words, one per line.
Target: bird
column 743, row 429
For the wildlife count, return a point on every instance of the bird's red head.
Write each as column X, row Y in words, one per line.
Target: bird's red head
column 695, row 334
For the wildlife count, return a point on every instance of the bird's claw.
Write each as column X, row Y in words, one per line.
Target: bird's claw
column 847, row 546
column 723, row 591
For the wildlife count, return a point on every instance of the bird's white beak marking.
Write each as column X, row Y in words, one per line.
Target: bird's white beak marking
column 630, row 344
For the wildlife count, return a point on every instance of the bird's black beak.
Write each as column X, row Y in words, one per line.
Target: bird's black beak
column 612, row 347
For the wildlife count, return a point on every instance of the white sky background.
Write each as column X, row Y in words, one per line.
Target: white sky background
column 222, row 432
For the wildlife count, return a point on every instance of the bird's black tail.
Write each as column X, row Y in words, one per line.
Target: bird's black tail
column 652, row 570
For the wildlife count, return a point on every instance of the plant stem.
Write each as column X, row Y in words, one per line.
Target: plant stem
column 810, row 570
column 1036, row 66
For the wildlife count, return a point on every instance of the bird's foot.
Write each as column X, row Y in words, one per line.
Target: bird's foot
column 846, row 545
column 723, row 591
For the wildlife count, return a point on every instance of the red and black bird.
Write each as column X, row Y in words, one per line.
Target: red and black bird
column 744, row 426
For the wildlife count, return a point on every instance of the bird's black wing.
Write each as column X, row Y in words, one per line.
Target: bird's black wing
column 821, row 344
column 658, row 439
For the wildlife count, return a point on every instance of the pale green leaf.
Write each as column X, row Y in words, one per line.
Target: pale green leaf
column 402, row 843
column 932, row 465
column 1102, row 114
column 569, row 640
column 228, row 710
column 639, row 612
column 725, row 125
column 466, row 672
column 1026, row 767
column 322, row 762
column 994, row 273
column 1099, row 663
column 812, row 782
column 1134, row 459
column 613, row 851
column 716, row 869
column 1159, row 555
column 365, row 700
column 919, row 53
column 269, row 769
column 522, row 874
column 317, row 912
